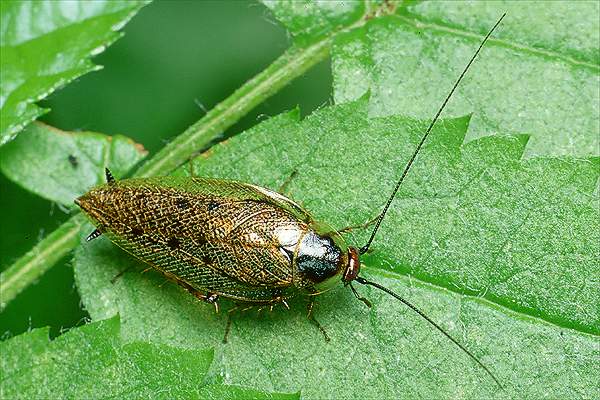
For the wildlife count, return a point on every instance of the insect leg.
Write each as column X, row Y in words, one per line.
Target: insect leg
column 228, row 326
column 211, row 298
column 359, row 297
column 96, row 233
column 287, row 181
column 120, row 274
column 191, row 167
column 312, row 319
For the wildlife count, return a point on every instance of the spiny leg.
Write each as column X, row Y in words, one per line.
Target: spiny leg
column 210, row 298
column 228, row 325
column 95, row 233
column 312, row 318
column 238, row 307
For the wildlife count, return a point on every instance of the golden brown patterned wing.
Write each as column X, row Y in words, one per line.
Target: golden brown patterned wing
column 220, row 236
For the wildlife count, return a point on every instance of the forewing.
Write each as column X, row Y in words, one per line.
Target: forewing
column 224, row 237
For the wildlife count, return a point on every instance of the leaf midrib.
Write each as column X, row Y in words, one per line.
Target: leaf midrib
column 419, row 23
column 487, row 302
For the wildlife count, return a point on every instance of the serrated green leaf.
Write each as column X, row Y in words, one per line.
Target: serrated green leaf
column 92, row 362
column 481, row 240
column 538, row 74
column 59, row 165
column 46, row 44
column 310, row 20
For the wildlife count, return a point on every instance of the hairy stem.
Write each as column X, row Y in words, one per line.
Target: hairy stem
column 39, row 259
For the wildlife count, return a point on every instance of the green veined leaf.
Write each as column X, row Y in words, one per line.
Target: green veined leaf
column 482, row 241
column 311, row 20
column 538, row 74
column 46, row 44
column 92, row 362
column 60, row 166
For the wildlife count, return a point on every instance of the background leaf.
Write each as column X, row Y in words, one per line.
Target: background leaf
column 60, row 166
column 92, row 362
column 538, row 74
column 307, row 21
column 453, row 209
column 48, row 44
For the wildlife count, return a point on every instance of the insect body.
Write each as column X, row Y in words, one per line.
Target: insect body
column 223, row 238
column 236, row 240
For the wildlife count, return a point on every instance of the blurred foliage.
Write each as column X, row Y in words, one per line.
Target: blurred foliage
column 47, row 44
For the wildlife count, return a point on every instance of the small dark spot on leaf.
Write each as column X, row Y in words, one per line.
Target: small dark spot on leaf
column 73, row 161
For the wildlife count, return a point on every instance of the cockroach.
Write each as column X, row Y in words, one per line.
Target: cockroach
column 220, row 238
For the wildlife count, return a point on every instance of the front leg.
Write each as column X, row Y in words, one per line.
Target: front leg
column 312, row 318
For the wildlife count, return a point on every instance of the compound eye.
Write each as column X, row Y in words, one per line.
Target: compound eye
column 353, row 267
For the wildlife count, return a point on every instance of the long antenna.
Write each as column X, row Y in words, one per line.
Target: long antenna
column 422, row 314
column 365, row 248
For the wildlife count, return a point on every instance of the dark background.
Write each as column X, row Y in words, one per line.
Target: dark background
column 176, row 60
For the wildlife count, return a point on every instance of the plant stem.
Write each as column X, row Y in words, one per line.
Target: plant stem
column 39, row 259
column 293, row 63
column 289, row 66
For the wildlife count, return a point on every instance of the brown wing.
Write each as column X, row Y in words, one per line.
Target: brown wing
column 234, row 240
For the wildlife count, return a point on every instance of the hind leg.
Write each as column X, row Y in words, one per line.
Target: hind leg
column 209, row 297
column 282, row 189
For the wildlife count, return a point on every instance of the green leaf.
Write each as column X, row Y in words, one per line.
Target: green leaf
column 484, row 242
column 538, row 74
column 93, row 362
column 227, row 392
column 309, row 20
column 45, row 45
column 60, row 166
